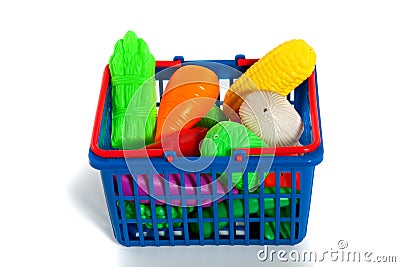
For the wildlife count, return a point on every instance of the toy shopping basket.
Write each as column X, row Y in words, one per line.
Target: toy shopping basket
column 274, row 214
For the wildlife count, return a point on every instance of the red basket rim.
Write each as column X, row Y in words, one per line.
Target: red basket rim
column 139, row 153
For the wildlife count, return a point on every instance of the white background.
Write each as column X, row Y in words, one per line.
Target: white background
column 52, row 56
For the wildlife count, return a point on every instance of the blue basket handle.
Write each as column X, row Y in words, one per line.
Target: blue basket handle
column 179, row 58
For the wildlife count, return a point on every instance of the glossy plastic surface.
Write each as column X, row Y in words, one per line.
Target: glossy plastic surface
column 174, row 188
column 189, row 95
column 305, row 101
column 184, row 143
column 223, row 139
column 132, row 69
column 261, row 228
column 214, row 116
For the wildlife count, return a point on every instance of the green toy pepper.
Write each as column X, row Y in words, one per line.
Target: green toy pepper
column 213, row 116
column 208, row 227
column 224, row 138
column 270, row 212
column 161, row 213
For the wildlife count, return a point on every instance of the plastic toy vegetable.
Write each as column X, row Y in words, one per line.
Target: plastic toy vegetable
column 189, row 95
column 285, row 180
column 161, row 213
column 254, row 208
column 174, row 188
column 272, row 118
column 214, row 116
column 269, row 211
column 226, row 136
column 208, row 227
column 281, row 70
column 133, row 94
column 184, row 143
column 269, row 227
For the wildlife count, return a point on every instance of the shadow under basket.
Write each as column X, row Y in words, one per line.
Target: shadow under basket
column 275, row 213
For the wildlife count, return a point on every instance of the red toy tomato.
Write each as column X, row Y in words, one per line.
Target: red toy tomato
column 185, row 143
column 285, row 180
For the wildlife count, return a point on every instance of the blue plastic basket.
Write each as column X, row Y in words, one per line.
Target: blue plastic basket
column 246, row 230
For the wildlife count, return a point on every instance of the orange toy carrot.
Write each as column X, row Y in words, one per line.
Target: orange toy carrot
column 189, row 95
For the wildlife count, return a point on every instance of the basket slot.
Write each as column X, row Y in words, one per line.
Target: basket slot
column 246, row 207
column 104, row 139
column 215, row 210
column 159, row 91
column 290, row 97
column 230, row 208
column 184, row 209
column 169, row 209
column 137, row 209
column 200, row 209
column 224, row 85
column 297, row 233
column 164, row 83
column 277, row 206
column 262, row 215
column 154, row 214
column 301, row 103
column 121, row 202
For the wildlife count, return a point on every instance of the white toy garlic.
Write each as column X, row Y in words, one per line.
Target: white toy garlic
column 272, row 118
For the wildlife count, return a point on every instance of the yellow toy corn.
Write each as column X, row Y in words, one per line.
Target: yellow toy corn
column 281, row 70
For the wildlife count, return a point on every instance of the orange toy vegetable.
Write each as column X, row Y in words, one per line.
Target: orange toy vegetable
column 189, row 95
